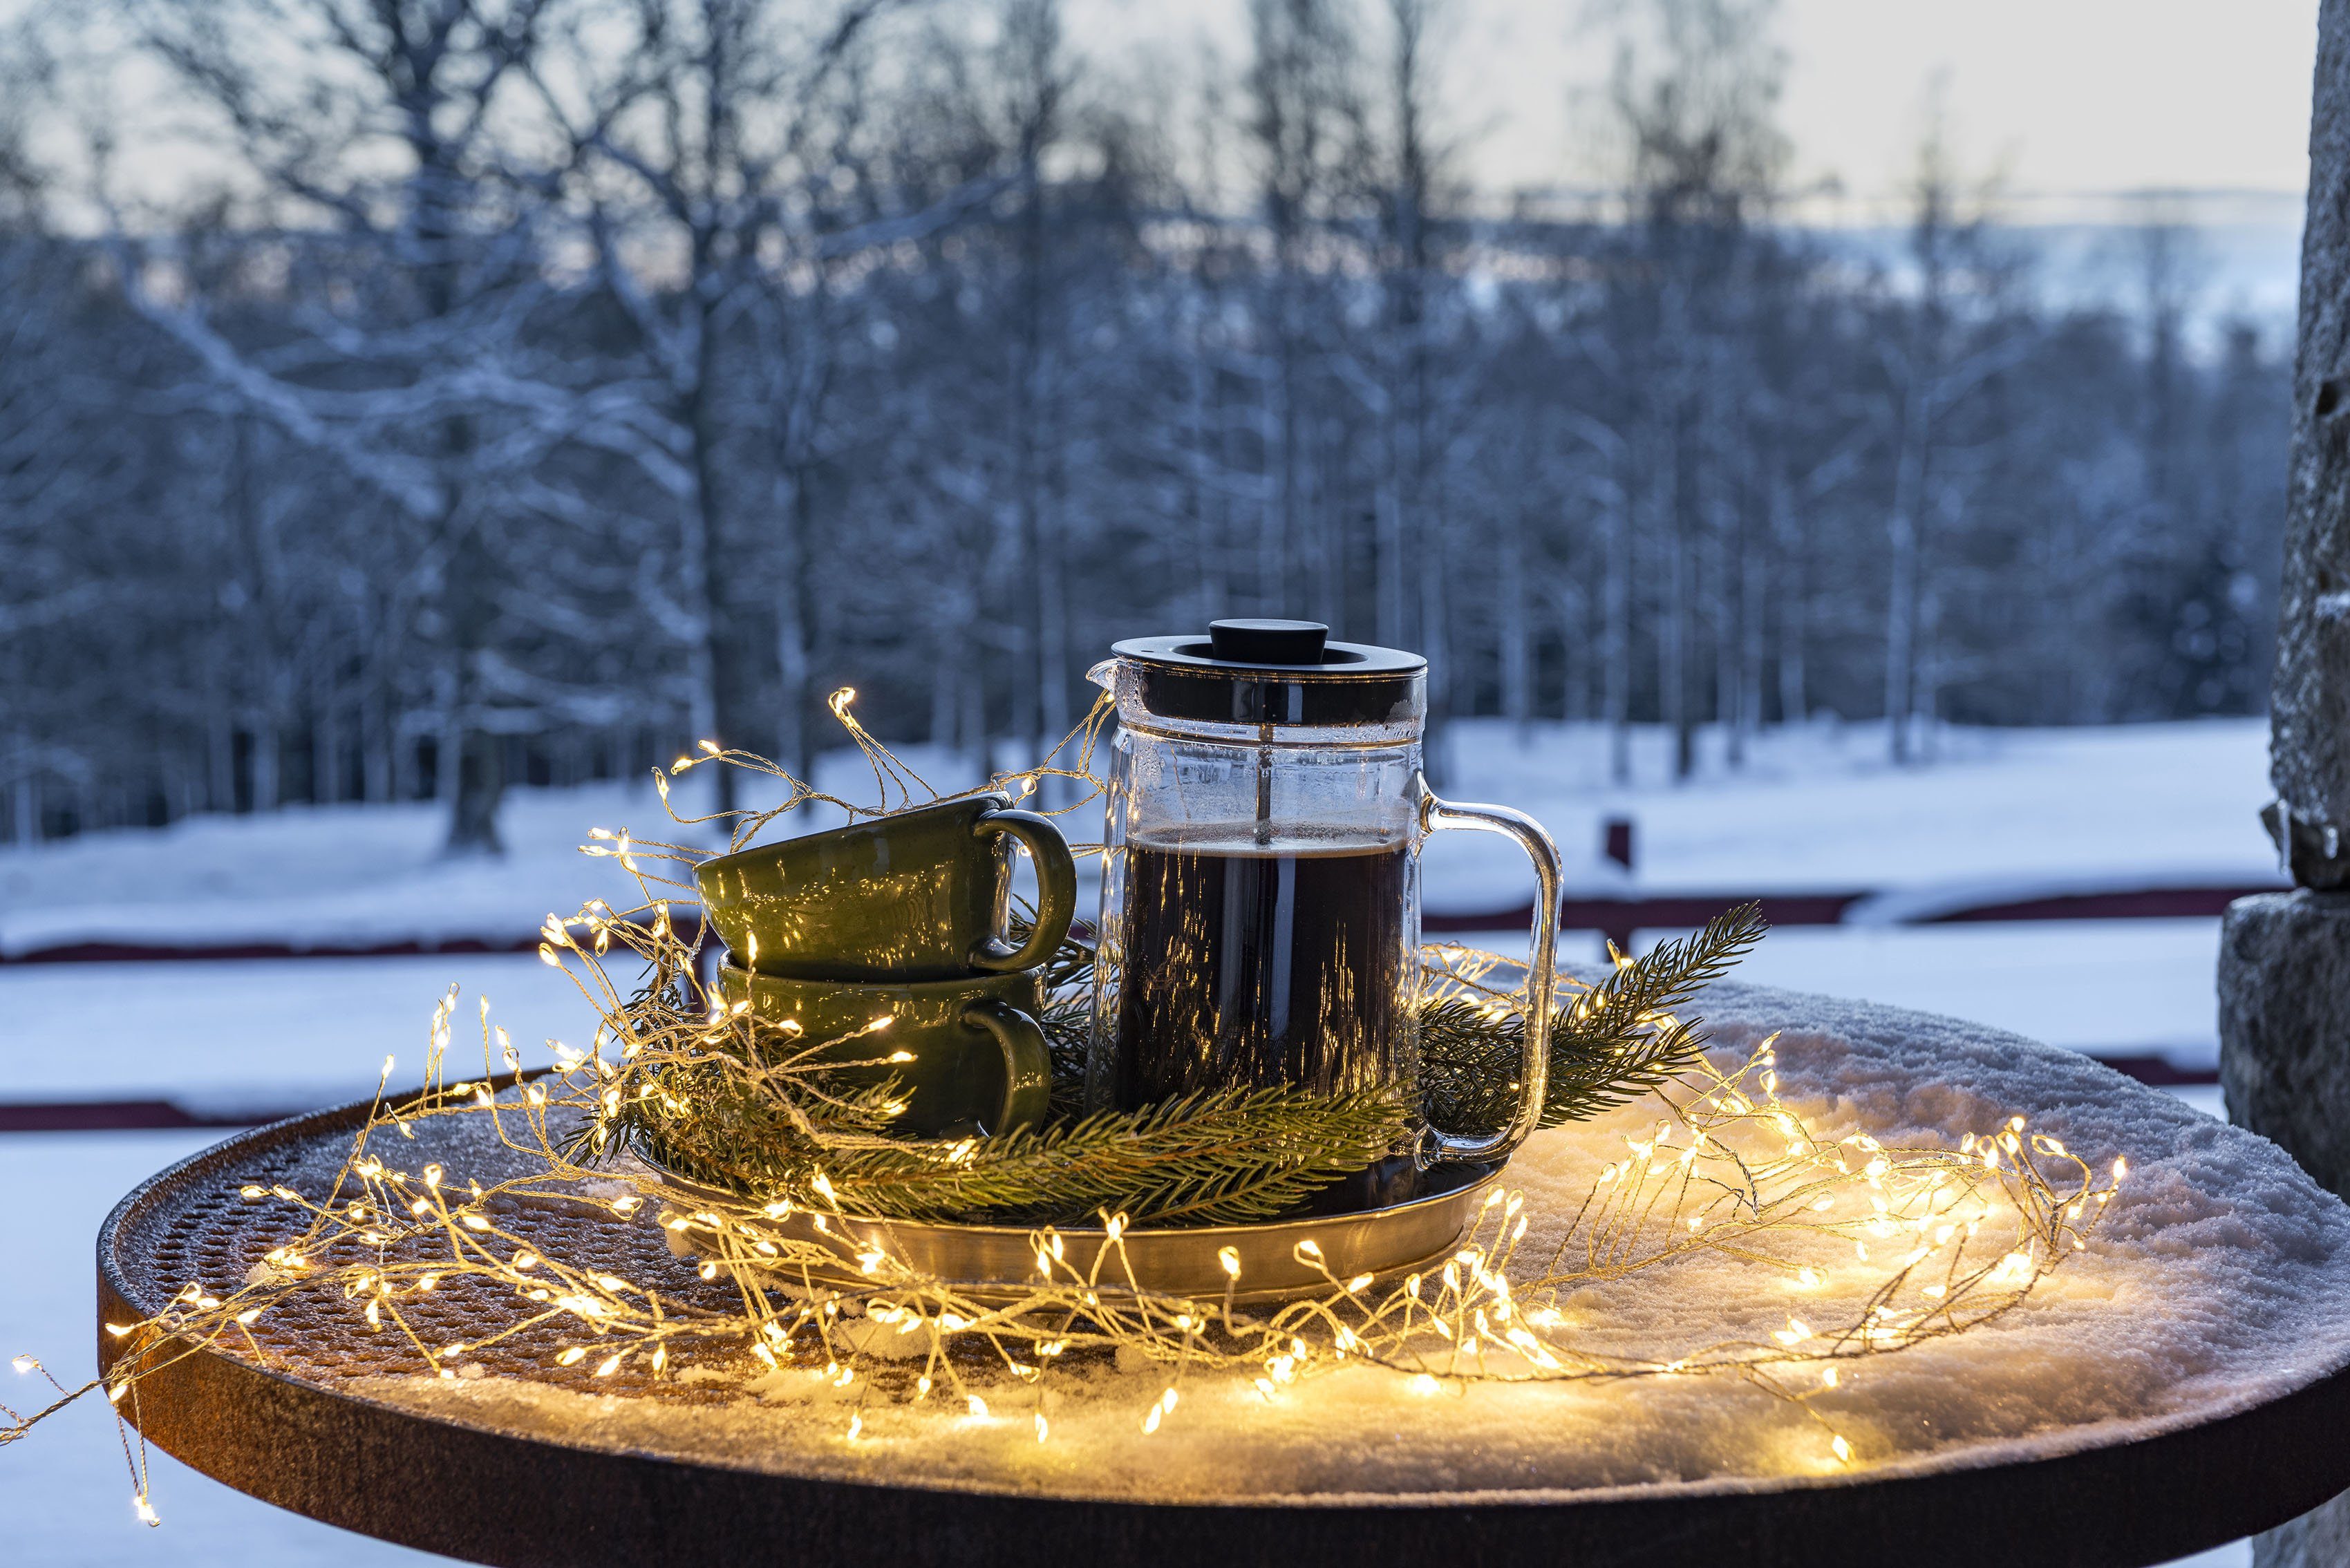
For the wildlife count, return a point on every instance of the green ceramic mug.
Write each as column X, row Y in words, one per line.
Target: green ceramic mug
column 980, row 1063
column 922, row 895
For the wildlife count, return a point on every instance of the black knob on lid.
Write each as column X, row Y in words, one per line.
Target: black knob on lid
column 1267, row 641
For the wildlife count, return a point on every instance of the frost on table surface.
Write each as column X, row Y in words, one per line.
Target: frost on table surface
column 2221, row 1278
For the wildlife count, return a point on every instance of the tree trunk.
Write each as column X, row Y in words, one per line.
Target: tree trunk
column 1901, row 600
column 1517, row 632
column 473, row 775
column 481, row 787
column 795, row 667
column 947, row 657
column 2284, row 958
column 1386, row 507
column 1616, row 673
column 705, row 548
column 1795, row 589
column 1673, row 661
column 1231, row 555
column 1204, row 410
column 1029, row 440
column 379, row 771
column 25, row 798
column 1722, row 556
column 220, row 753
column 973, row 729
column 1053, row 673
column 263, row 762
column 1329, row 543
column 326, row 746
column 465, row 773
column 1273, row 588
column 1753, row 590
column 1446, row 676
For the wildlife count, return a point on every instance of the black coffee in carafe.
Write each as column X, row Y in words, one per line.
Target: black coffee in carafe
column 1263, row 958
column 1260, row 911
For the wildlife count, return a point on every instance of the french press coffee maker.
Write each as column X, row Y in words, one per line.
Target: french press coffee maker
column 1260, row 896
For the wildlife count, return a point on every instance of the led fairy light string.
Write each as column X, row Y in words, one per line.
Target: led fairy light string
column 126, row 1433
column 895, row 784
column 1732, row 1170
column 1942, row 1239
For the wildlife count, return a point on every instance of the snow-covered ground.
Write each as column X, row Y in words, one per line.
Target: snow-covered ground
column 261, row 1037
column 2013, row 813
column 2111, row 988
column 2023, row 810
column 319, row 876
column 2001, row 813
column 258, row 1036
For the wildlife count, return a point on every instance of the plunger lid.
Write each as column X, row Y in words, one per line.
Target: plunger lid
column 1276, row 672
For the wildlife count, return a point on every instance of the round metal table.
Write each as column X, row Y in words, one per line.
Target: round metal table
column 341, row 1430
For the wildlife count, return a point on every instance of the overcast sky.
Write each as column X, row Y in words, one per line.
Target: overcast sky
column 2062, row 98
column 2068, row 97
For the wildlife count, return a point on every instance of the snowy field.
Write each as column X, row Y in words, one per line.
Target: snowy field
column 2111, row 988
column 2008, row 813
column 2021, row 811
column 259, row 1036
column 2013, row 813
column 262, row 1036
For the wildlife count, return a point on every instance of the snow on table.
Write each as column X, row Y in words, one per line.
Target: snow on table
column 2220, row 1281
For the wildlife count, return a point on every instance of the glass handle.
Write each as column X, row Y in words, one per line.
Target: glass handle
column 1542, row 963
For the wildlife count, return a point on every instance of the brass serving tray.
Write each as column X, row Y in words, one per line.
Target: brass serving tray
column 997, row 1263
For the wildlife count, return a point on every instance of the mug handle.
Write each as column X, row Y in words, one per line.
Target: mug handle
column 1057, row 890
column 1028, row 1063
column 1439, row 1148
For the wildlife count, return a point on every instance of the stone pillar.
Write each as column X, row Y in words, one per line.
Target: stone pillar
column 2309, row 702
column 2285, row 958
column 2284, row 1025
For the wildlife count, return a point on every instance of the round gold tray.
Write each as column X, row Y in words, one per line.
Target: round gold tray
column 995, row 1264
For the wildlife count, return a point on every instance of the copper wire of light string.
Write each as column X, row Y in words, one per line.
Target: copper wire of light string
column 891, row 778
column 1943, row 1239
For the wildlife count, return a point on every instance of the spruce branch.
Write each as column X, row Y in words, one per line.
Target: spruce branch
column 1609, row 1045
column 1213, row 1158
column 766, row 1115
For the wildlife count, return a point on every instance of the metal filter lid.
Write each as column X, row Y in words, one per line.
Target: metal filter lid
column 1260, row 672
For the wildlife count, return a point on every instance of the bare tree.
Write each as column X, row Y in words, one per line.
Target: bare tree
column 1937, row 360
column 576, row 380
column 1703, row 155
column 444, row 246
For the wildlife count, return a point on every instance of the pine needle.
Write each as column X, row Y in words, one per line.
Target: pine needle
column 762, row 1114
column 1612, row 1043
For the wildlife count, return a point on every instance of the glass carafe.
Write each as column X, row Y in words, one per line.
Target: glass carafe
column 1260, row 898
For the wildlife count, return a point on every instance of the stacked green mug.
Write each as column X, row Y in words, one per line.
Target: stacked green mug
column 889, row 936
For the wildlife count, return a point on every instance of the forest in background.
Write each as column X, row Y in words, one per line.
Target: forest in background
column 525, row 389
